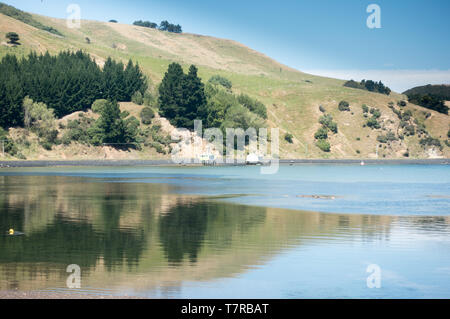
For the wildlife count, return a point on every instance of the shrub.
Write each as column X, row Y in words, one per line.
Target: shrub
column 375, row 113
column 46, row 145
column 323, row 145
column 382, row 139
column 421, row 129
column 344, row 106
column 137, row 98
column 289, row 138
column 98, row 105
column 410, row 130
column 220, row 80
column 429, row 141
column 253, row 105
column 147, row 114
column 149, row 100
column 321, row 134
column 365, row 108
column 158, row 147
column 391, row 136
column 401, row 103
column 373, row 123
column 325, row 120
column 333, row 127
column 322, row 109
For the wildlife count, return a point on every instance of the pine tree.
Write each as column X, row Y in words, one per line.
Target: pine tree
column 171, row 93
column 195, row 99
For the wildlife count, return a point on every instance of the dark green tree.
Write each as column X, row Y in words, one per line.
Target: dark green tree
column 171, row 99
column 13, row 38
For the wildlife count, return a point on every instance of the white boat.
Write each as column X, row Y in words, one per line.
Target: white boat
column 252, row 159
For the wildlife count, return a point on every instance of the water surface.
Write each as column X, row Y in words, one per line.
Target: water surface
column 229, row 232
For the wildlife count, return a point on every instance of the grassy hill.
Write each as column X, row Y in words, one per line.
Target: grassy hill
column 292, row 97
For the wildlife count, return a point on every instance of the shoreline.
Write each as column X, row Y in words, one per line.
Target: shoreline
column 125, row 163
column 27, row 295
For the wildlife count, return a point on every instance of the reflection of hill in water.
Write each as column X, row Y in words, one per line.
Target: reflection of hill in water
column 143, row 235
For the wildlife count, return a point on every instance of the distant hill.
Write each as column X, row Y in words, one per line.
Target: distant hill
column 441, row 91
column 304, row 107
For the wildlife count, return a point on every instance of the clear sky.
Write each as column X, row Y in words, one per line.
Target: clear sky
column 326, row 37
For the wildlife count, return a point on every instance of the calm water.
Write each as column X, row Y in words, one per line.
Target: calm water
column 228, row 232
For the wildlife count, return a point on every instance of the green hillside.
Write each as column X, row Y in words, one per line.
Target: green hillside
column 293, row 98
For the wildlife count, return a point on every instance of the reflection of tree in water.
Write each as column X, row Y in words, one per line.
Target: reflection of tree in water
column 117, row 243
column 185, row 228
column 67, row 241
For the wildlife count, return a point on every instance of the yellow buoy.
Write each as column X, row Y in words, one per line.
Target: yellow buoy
column 11, row 231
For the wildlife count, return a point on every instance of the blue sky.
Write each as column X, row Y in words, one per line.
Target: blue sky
column 325, row 37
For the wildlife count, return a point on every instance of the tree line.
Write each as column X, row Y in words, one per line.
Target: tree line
column 164, row 26
column 430, row 96
column 429, row 101
column 66, row 83
column 369, row 85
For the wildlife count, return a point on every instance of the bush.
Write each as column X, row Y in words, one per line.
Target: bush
column 149, row 100
column 147, row 114
column 390, row 136
column 344, row 106
column 220, row 80
column 137, row 98
column 322, row 109
column 429, row 141
column 289, row 138
column 376, row 113
column 365, row 108
column 253, row 105
column 373, row 123
column 327, row 122
column 401, row 103
column 46, row 145
column 323, row 145
column 382, row 139
column 333, row 127
column 98, row 106
column 158, row 147
column 321, row 134
column 410, row 130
